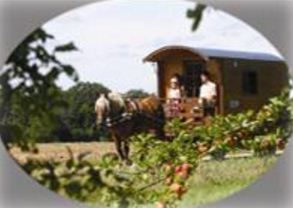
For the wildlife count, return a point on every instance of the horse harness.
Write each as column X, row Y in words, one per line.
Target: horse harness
column 131, row 111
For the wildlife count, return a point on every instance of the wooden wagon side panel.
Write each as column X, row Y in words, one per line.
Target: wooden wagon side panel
column 171, row 67
column 215, row 68
column 269, row 77
column 161, row 79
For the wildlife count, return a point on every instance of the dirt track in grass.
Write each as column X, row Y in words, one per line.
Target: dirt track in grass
column 60, row 152
column 93, row 150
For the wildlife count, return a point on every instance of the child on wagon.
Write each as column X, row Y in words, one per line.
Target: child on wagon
column 174, row 95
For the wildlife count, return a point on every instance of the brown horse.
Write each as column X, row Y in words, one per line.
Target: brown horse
column 126, row 117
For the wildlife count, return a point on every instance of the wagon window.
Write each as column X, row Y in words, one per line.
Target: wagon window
column 250, row 82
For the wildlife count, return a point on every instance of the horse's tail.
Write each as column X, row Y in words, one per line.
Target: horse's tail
column 161, row 120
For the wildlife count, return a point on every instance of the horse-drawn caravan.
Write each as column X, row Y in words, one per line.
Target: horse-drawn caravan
column 244, row 80
column 240, row 80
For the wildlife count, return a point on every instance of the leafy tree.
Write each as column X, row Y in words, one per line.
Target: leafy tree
column 136, row 93
column 79, row 116
column 30, row 97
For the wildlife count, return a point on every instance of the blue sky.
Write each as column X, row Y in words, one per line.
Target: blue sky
column 114, row 36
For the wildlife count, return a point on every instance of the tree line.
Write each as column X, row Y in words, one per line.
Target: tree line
column 72, row 121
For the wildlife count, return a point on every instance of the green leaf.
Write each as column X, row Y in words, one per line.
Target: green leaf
column 66, row 48
column 196, row 15
column 68, row 69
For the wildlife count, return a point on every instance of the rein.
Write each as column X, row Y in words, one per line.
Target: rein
column 110, row 122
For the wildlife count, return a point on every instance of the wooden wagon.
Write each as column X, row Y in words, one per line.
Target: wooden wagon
column 245, row 80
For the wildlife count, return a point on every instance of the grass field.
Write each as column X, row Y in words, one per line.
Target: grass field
column 212, row 181
column 216, row 180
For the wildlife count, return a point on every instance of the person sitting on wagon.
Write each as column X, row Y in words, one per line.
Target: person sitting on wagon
column 174, row 95
column 207, row 94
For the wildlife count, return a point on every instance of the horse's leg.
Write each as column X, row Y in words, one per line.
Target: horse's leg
column 126, row 151
column 160, row 133
column 118, row 145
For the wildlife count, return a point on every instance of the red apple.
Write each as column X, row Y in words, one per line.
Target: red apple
column 281, row 144
column 178, row 169
column 186, row 167
column 183, row 174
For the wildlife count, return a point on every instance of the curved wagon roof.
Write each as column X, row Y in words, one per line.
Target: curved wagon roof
column 206, row 53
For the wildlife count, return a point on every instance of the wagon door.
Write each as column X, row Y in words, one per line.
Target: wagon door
column 191, row 78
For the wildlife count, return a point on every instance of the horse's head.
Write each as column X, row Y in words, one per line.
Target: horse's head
column 117, row 104
column 102, row 109
column 108, row 107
